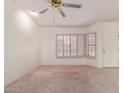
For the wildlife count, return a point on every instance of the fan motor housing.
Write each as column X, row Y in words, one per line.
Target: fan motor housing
column 56, row 3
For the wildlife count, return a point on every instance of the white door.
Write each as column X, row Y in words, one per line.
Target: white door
column 110, row 50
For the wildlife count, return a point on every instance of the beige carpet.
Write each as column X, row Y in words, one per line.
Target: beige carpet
column 64, row 79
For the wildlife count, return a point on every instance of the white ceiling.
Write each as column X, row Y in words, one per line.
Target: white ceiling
column 92, row 11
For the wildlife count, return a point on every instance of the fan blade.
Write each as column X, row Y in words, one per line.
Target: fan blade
column 46, row 1
column 43, row 11
column 62, row 12
column 72, row 5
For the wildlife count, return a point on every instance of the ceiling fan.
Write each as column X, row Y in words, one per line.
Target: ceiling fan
column 58, row 4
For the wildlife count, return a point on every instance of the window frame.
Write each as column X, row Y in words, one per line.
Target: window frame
column 85, row 55
column 95, row 45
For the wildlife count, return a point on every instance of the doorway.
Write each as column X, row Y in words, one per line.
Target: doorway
column 110, row 49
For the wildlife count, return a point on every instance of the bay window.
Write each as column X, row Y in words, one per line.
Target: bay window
column 76, row 45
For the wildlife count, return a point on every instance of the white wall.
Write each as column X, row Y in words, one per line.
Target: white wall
column 48, row 44
column 22, row 43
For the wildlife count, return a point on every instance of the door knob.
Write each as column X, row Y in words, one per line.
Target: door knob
column 104, row 51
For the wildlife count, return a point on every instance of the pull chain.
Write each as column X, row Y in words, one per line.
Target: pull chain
column 54, row 16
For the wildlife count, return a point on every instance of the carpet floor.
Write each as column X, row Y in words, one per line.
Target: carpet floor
column 64, row 79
